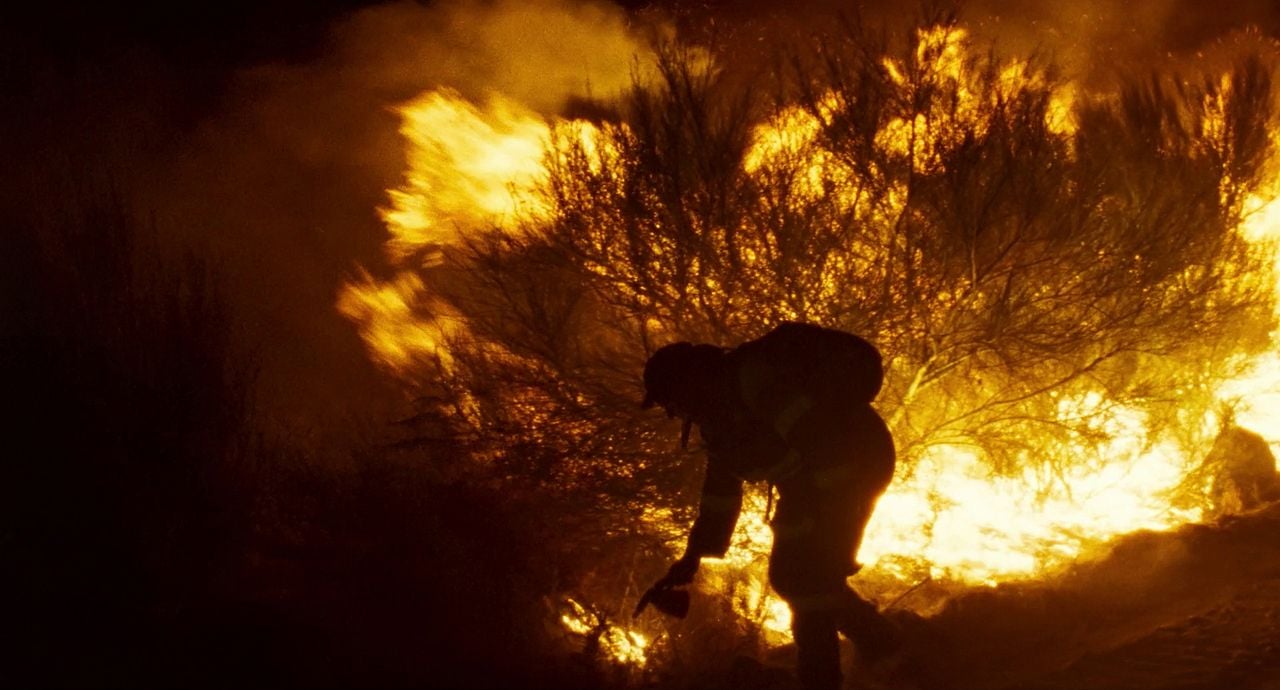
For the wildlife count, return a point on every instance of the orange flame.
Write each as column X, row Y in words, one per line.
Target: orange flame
column 473, row 167
column 469, row 168
column 625, row 646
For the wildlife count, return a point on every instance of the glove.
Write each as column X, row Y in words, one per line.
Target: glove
column 663, row 594
column 681, row 573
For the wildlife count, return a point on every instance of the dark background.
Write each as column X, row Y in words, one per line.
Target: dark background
column 197, row 46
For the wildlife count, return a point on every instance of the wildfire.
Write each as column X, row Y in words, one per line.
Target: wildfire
column 625, row 646
column 389, row 321
column 468, row 167
column 480, row 166
column 1257, row 392
column 984, row 529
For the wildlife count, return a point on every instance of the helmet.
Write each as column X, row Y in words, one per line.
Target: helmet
column 673, row 371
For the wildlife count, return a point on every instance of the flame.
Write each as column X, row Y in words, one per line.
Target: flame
column 469, row 168
column 942, row 57
column 623, row 645
column 949, row 517
column 1256, row 393
column 790, row 136
column 473, row 167
column 385, row 312
column 748, row 555
column 981, row 529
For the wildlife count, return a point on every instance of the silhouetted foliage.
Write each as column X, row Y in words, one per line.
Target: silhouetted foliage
column 924, row 198
column 128, row 406
column 156, row 532
column 1030, row 268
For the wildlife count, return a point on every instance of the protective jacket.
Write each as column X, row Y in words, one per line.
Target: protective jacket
column 795, row 411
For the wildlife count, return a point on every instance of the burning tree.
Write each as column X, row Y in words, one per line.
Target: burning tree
column 1008, row 264
column 1043, row 269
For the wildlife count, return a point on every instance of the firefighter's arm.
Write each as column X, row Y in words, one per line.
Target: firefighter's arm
column 713, row 529
column 710, row 536
column 718, row 512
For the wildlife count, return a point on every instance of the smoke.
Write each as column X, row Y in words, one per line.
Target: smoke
column 286, row 173
column 271, row 176
column 288, row 163
column 1092, row 41
column 282, row 174
column 285, row 176
column 1095, row 40
column 289, row 174
column 539, row 53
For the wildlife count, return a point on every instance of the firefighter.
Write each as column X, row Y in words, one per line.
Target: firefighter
column 792, row 409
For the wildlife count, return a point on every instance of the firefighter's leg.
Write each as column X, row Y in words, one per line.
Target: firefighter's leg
column 817, row 646
column 871, row 633
column 815, row 616
column 873, row 636
column 840, row 511
column 814, row 594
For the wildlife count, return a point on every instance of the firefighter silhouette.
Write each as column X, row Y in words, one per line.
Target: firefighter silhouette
column 791, row 408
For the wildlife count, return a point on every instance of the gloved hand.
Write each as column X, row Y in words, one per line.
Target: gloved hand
column 681, row 572
column 664, row 595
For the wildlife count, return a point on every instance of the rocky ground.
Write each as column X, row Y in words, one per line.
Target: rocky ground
column 1193, row 608
column 1233, row 645
column 1198, row 607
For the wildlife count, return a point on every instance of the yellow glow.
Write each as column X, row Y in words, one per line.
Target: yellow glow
column 625, row 646
column 385, row 312
column 468, row 167
column 1062, row 118
column 473, row 167
column 1256, row 393
column 745, row 570
column 971, row 527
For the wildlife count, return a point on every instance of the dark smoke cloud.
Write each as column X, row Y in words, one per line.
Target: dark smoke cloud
column 285, row 177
